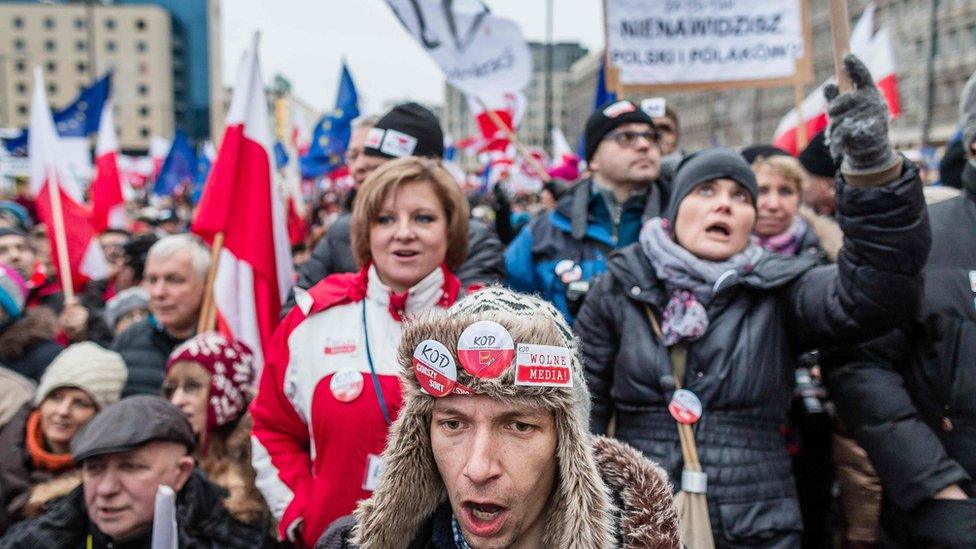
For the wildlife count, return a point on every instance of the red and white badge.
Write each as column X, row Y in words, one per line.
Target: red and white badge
column 434, row 368
column 485, row 349
column 340, row 346
column 543, row 366
column 685, row 407
column 568, row 271
column 618, row 108
column 346, row 384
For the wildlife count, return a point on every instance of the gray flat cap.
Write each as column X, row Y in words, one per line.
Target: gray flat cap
column 130, row 423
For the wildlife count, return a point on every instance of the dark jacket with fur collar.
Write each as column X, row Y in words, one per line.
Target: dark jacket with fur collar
column 27, row 346
column 644, row 514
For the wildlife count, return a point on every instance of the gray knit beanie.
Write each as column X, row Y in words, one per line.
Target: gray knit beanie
column 125, row 302
column 87, row 366
column 967, row 115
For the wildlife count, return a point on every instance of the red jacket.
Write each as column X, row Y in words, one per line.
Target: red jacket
column 312, row 448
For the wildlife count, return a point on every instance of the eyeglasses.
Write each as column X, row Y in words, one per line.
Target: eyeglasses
column 628, row 139
column 189, row 387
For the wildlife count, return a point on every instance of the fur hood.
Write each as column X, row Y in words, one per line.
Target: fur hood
column 583, row 513
column 37, row 325
column 827, row 230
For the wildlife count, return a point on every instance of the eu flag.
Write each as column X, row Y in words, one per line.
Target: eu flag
column 331, row 135
column 179, row 169
column 280, row 155
column 600, row 97
column 79, row 119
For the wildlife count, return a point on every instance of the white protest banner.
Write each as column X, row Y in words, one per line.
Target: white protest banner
column 685, row 44
column 480, row 54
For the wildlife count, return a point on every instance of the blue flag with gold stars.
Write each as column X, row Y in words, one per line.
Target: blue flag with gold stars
column 331, row 135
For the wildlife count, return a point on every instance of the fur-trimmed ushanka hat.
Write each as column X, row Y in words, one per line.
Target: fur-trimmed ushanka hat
column 410, row 487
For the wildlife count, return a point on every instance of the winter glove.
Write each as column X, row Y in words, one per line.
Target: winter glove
column 858, row 128
column 967, row 115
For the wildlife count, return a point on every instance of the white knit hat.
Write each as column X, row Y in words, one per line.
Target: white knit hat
column 87, row 366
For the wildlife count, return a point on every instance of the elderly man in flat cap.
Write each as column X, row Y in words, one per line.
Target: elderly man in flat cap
column 126, row 453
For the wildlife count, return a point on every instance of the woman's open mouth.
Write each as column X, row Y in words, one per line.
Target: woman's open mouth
column 720, row 229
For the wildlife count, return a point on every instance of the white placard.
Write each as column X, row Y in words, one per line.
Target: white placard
column 656, row 42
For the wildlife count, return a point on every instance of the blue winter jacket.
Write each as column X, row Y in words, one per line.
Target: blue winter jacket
column 579, row 232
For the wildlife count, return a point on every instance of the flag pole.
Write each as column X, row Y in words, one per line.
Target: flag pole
column 208, row 310
column 64, row 265
column 801, row 125
column 840, row 30
column 501, row 125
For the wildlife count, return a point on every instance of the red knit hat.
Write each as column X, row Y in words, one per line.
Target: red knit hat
column 231, row 367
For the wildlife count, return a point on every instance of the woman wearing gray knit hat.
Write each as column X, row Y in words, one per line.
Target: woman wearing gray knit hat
column 492, row 446
column 690, row 339
column 35, row 461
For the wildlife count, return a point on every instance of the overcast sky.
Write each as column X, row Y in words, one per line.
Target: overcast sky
column 305, row 40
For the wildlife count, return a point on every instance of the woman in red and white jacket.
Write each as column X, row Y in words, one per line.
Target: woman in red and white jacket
column 331, row 387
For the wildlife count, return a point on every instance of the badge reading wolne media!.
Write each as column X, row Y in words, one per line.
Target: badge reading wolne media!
column 346, row 384
column 485, row 349
column 434, row 368
column 543, row 366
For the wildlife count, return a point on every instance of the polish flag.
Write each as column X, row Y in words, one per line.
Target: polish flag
column 498, row 151
column 242, row 201
column 108, row 199
column 876, row 50
column 54, row 188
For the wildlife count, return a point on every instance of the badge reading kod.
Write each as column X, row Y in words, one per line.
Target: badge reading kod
column 543, row 365
column 685, row 407
column 434, row 368
column 346, row 384
column 485, row 349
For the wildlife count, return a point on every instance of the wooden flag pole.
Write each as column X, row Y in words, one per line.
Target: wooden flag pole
column 840, row 30
column 801, row 125
column 500, row 124
column 64, row 265
column 208, row 310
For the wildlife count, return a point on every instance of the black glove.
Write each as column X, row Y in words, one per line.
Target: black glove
column 858, row 128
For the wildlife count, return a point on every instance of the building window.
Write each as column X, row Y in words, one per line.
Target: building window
column 49, row 45
column 79, row 23
column 110, row 24
column 144, row 111
column 19, row 44
column 82, row 67
column 110, row 45
column 52, row 89
column 48, row 23
column 143, row 89
column 80, row 45
column 22, row 109
column 18, row 22
column 21, row 87
column 141, row 46
column 141, row 24
column 52, row 66
column 144, row 132
column 20, row 66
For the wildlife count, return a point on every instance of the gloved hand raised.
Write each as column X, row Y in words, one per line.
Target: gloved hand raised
column 858, row 127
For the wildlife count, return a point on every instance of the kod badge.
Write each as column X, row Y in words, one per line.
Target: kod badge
column 346, row 384
column 568, row 271
column 434, row 368
column 685, row 407
column 485, row 349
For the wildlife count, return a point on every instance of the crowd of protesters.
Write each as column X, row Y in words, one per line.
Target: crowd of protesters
column 742, row 347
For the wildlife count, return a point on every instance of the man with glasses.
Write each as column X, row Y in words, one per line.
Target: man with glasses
column 557, row 253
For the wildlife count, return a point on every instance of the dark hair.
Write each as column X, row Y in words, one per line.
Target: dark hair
column 135, row 252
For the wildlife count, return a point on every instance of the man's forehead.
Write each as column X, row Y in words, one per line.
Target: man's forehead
column 176, row 261
column 488, row 407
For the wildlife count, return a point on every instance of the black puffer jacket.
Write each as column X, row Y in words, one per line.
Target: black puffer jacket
column 202, row 519
column 909, row 398
column 145, row 348
column 742, row 367
column 333, row 254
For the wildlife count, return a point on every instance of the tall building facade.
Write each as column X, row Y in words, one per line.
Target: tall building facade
column 164, row 55
column 740, row 117
column 459, row 123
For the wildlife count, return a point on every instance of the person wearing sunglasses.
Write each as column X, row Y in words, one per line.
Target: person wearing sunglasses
column 558, row 252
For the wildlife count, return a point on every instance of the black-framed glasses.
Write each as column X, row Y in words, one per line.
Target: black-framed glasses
column 628, row 139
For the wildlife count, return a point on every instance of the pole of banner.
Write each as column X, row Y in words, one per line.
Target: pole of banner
column 501, row 125
column 64, row 265
column 801, row 125
column 840, row 30
column 208, row 310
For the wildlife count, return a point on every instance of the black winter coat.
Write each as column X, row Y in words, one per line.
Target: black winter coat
column 333, row 254
column 203, row 523
column 145, row 348
column 909, row 398
column 742, row 367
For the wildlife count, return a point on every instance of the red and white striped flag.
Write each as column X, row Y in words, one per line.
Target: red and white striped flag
column 53, row 185
column 876, row 51
column 241, row 201
column 108, row 200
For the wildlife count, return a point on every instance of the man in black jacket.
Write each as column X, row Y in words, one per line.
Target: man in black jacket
column 910, row 397
column 407, row 130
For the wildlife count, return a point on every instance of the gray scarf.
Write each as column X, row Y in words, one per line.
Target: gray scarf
column 691, row 282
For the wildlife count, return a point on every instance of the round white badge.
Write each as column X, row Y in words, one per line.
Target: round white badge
column 685, row 407
column 434, row 368
column 485, row 349
column 346, row 384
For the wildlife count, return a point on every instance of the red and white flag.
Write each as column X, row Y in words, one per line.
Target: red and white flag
column 52, row 185
column 497, row 151
column 241, row 201
column 107, row 197
column 875, row 49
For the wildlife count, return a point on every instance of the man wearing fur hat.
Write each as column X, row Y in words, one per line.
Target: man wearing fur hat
column 492, row 447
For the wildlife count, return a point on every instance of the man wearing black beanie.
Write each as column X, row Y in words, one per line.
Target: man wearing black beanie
column 557, row 253
column 819, row 168
column 406, row 130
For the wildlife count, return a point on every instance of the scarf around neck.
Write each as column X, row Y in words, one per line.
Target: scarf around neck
column 787, row 242
column 690, row 282
column 40, row 457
